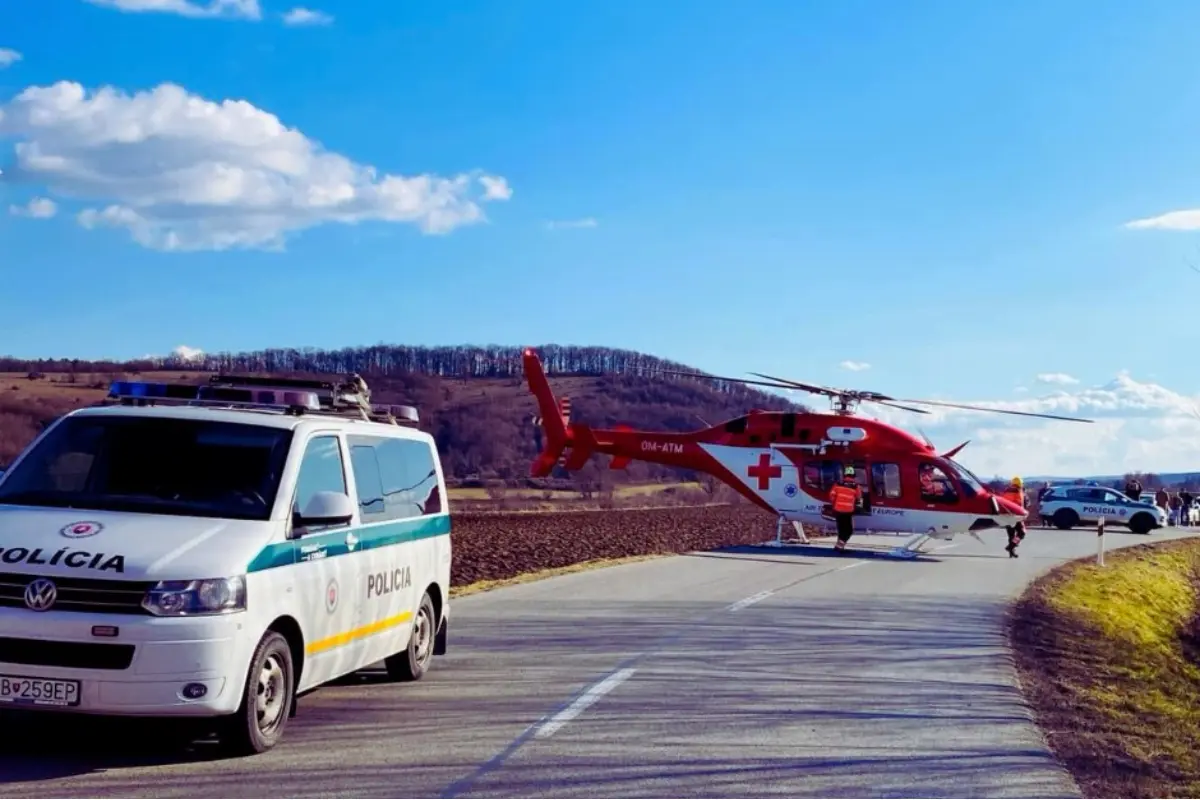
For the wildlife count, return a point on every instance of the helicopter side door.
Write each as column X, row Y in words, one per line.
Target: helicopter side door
column 862, row 476
column 888, row 496
column 817, row 476
column 820, row 474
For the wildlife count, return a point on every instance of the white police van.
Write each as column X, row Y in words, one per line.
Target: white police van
column 1064, row 507
column 215, row 550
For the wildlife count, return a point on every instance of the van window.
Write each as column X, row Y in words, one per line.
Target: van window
column 321, row 470
column 403, row 476
column 367, row 481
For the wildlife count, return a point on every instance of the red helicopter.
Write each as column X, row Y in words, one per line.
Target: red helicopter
column 787, row 462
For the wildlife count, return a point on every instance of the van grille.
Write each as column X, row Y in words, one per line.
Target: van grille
column 90, row 595
column 73, row 655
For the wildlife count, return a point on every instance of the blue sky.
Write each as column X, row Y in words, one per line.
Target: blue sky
column 937, row 189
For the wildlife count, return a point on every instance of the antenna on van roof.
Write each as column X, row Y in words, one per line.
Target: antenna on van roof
column 291, row 395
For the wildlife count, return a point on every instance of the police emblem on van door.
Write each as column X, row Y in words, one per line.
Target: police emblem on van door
column 81, row 530
column 41, row 594
column 331, row 596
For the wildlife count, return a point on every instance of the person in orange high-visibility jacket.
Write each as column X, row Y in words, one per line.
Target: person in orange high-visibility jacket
column 845, row 497
column 1015, row 492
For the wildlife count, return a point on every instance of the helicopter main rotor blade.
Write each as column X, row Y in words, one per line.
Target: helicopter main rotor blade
column 857, row 394
column 724, row 378
column 807, row 387
column 874, row 397
column 1000, row 410
column 904, row 408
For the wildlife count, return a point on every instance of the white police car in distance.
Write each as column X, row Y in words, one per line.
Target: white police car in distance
column 1065, row 507
column 213, row 551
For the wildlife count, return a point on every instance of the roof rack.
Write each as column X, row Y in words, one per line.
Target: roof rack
column 294, row 396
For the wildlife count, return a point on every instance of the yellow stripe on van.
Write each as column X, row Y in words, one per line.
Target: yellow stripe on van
column 340, row 639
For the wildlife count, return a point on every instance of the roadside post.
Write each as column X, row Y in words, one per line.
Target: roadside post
column 1100, row 541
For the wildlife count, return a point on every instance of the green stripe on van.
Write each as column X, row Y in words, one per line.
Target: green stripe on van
column 333, row 543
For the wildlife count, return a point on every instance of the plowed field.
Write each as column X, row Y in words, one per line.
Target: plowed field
column 498, row 546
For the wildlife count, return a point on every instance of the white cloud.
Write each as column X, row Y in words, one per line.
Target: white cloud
column 855, row 366
column 185, row 353
column 1138, row 426
column 586, row 222
column 37, row 208
column 231, row 9
column 306, row 16
column 8, row 57
column 1060, row 378
column 181, row 172
column 495, row 187
column 1184, row 220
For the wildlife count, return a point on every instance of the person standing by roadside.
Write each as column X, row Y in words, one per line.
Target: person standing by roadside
column 1133, row 488
column 1016, row 533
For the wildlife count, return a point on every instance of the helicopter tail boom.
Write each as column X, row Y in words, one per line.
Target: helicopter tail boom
column 553, row 423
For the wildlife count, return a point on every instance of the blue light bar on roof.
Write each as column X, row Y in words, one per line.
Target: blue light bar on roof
column 261, row 397
column 406, row 413
column 152, row 390
column 233, row 395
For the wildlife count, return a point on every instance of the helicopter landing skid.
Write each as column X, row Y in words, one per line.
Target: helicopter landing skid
column 915, row 546
column 779, row 542
column 912, row 548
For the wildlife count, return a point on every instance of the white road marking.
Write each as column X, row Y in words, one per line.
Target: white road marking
column 850, row 566
column 749, row 601
column 552, row 725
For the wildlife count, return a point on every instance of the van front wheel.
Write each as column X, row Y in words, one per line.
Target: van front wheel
column 266, row 700
column 411, row 663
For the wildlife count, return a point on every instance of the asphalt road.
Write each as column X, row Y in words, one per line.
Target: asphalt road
column 755, row 672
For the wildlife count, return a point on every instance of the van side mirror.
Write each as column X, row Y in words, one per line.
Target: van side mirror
column 325, row 508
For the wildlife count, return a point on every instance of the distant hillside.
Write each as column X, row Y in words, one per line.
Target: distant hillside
column 474, row 400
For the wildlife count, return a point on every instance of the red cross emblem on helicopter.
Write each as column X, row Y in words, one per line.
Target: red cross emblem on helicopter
column 764, row 470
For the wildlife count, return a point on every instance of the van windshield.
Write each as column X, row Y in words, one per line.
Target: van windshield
column 156, row 466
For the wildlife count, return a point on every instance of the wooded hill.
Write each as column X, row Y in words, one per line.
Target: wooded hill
column 474, row 400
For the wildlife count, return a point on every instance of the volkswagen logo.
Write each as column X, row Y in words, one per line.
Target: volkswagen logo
column 41, row 594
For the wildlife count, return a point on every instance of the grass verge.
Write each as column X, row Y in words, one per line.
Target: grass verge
column 1108, row 659
column 536, row 575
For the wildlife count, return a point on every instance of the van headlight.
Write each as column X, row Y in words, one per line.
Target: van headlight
column 196, row 598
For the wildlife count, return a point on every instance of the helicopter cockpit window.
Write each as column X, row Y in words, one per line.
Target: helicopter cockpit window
column 936, row 486
column 972, row 486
